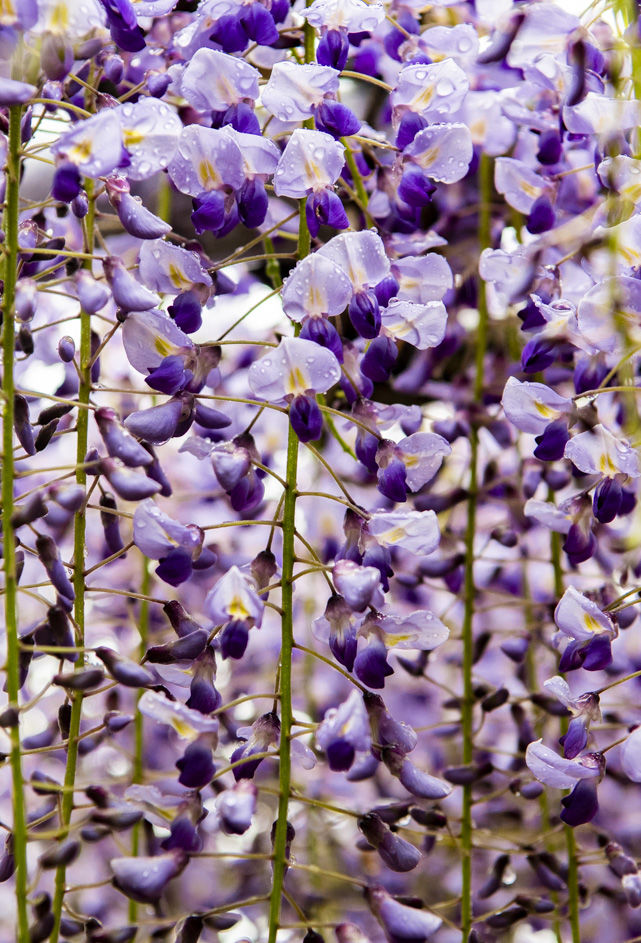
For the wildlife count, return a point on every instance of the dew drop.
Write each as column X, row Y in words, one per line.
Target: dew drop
column 444, row 87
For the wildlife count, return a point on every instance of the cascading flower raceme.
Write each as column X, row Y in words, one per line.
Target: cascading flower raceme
column 320, row 462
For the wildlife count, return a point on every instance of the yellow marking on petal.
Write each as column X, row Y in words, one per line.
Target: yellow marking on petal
column 606, row 465
column 182, row 728
column 80, row 151
column 177, row 277
column 59, row 19
column 394, row 535
column 427, row 158
column 296, row 382
column 423, row 99
column 208, row 175
column 237, row 609
column 631, row 256
column 392, row 641
column 163, row 346
column 411, row 461
column 7, row 12
column 591, row 624
column 546, row 411
column 132, row 136
column 529, row 188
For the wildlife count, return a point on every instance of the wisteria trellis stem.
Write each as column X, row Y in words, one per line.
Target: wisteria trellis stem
column 79, row 541
column 10, row 223
column 467, row 718
column 287, row 643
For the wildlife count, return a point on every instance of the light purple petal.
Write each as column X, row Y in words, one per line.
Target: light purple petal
column 354, row 16
column 631, row 756
column 293, row 90
column 422, row 630
column 415, row 531
column 156, row 534
column 260, row 156
column 436, row 91
column 94, row 145
column 595, row 311
column 165, row 267
column 532, row 406
column 580, row 618
column 150, row 132
column 422, row 454
column 518, row 183
column 361, row 255
column 295, row 366
column 421, row 325
column 234, row 597
column 311, row 160
column 13, row 92
column 554, row 770
column 316, row 286
column 150, row 336
column 186, row 722
column 443, row 151
column 548, row 515
column 598, row 452
column 213, row 80
column 423, row 278
column 206, row 159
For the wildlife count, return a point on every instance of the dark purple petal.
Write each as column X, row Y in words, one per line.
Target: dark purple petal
column 581, row 805
column 145, row 879
column 541, row 217
column 336, row 119
column 365, row 314
column 156, row 424
column 196, row 766
column 608, row 496
column 259, row 24
column 325, row 208
column 124, row 670
column 306, row 418
column 175, row 568
column 379, row 358
column 371, row 667
column 415, row 188
column 333, row 49
column 252, row 203
column 552, row 441
column 234, row 639
column 66, row 182
column 170, row 376
column 391, row 481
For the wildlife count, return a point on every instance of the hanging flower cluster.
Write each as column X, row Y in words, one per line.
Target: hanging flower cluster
column 321, row 332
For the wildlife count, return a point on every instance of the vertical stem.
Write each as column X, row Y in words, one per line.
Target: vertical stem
column 139, row 740
column 79, row 534
column 287, row 635
column 469, row 592
column 9, row 272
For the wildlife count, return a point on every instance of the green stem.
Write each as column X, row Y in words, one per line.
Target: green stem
column 79, row 534
column 287, row 644
column 359, row 186
column 10, row 223
column 469, row 590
